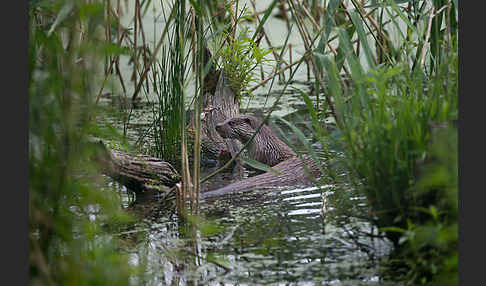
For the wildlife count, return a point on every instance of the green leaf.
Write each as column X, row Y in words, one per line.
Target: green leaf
column 90, row 10
column 196, row 7
column 455, row 3
column 312, row 111
column 329, row 24
column 334, row 84
column 259, row 165
column 402, row 16
column 257, row 54
column 115, row 50
column 346, row 48
column 363, row 39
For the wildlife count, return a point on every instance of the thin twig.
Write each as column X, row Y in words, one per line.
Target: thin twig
column 154, row 54
column 135, row 33
column 108, row 73
column 308, row 48
column 144, row 45
column 274, row 74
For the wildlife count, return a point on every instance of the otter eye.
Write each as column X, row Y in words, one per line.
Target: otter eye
column 231, row 123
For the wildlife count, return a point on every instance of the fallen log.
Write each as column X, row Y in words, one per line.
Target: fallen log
column 139, row 173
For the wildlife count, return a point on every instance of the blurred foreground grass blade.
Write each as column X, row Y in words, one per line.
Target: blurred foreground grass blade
column 61, row 16
column 69, row 242
column 348, row 53
column 333, row 82
column 329, row 23
column 436, row 36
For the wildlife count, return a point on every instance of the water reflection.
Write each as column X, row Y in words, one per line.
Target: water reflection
column 265, row 237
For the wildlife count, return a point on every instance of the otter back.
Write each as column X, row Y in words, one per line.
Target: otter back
column 266, row 147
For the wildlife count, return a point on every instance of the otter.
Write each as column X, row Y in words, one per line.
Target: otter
column 294, row 172
column 266, row 147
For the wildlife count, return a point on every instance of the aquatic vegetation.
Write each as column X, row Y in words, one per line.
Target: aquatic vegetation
column 240, row 57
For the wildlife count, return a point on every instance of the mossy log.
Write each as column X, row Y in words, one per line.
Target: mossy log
column 139, row 173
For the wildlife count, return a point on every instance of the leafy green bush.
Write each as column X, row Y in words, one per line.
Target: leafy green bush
column 240, row 57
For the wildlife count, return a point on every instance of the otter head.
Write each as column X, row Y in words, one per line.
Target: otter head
column 241, row 127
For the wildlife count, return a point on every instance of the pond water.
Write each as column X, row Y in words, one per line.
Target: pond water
column 278, row 236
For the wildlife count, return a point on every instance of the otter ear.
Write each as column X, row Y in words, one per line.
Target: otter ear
column 248, row 121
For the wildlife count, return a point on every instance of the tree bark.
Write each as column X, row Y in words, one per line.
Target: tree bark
column 218, row 106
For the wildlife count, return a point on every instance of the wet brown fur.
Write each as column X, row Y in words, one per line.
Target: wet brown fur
column 266, row 147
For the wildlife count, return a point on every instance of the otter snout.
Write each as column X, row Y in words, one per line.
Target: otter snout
column 220, row 128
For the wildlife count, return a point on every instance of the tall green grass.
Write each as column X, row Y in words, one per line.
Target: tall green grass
column 387, row 109
column 169, row 121
column 385, row 117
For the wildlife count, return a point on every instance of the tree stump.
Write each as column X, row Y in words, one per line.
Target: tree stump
column 218, row 107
